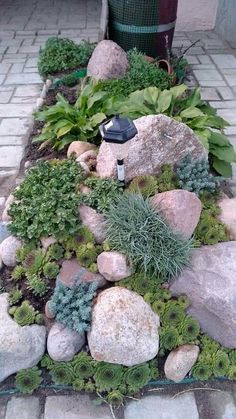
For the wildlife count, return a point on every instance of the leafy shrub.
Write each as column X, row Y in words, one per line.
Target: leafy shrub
column 65, row 123
column 103, row 193
column 195, row 176
column 136, row 229
column 140, row 75
column 72, row 306
column 185, row 106
column 61, row 54
column 28, row 380
column 47, row 201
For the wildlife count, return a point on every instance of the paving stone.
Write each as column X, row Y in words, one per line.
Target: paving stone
column 14, row 126
column 11, row 140
column 224, row 60
column 12, row 110
column 230, row 76
column 227, row 104
column 163, row 407
column 31, row 62
column 5, row 96
column 207, row 75
column 229, row 115
column 27, row 91
column 4, row 68
column 2, row 77
column 72, row 407
column 230, row 130
column 23, row 408
column 204, row 67
column 192, row 59
column 30, row 78
column 17, row 68
column 217, row 83
column 226, row 93
column 221, row 405
column 204, row 59
column 209, row 94
column 10, row 156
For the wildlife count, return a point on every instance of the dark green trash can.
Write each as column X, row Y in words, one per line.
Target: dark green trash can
column 145, row 24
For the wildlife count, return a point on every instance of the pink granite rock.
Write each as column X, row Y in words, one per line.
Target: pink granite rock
column 79, row 147
column 89, row 157
column 113, row 266
column 108, row 61
column 64, row 343
column 8, row 249
column 181, row 210
column 228, row 215
column 124, row 329
column 210, row 285
column 160, row 140
column 180, row 361
column 71, row 271
column 94, row 221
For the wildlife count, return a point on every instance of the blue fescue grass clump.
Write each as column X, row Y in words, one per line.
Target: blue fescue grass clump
column 73, row 306
column 194, row 176
column 136, row 229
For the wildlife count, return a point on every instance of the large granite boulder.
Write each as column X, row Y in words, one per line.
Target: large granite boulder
column 124, row 329
column 8, row 249
column 228, row 215
column 64, row 343
column 20, row 347
column 210, row 284
column 94, row 221
column 108, row 61
column 113, row 266
column 181, row 210
column 180, row 361
column 160, row 140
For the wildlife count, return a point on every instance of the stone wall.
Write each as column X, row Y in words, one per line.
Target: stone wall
column 198, row 15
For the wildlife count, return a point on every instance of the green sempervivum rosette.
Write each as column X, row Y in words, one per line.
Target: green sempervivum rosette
column 142, row 284
column 78, row 384
column 145, row 184
column 158, row 307
column 23, row 251
column 232, row 372
column 173, row 314
column 209, row 345
column 108, row 376
column 93, row 268
column 153, row 365
column 34, row 261
column 51, row 270
column 25, row 314
column 148, row 297
column 28, row 380
column 169, row 337
column 166, row 180
column 14, row 296
column 115, row 398
column 232, row 356
column 47, row 362
column 89, row 387
column 221, row 364
column 201, row 371
column 55, row 252
column 17, row 273
column 189, row 329
column 62, row 373
column 184, row 301
column 84, row 236
column 83, row 365
column 36, row 285
column 86, row 256
column 137, row 377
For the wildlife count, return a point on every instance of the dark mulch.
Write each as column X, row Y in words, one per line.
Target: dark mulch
column 70, row 93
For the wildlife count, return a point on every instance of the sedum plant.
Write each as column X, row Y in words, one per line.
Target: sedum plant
column 46, row 202
column 103, row 193
column 72, row 306
column 135, row 228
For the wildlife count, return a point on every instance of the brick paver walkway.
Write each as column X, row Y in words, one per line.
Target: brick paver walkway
column 25, row 25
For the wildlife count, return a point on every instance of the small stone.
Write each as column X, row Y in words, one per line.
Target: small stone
column 71, row 272
column 94, row 221
column 20, row 347
column 4, row 233
column 228, row 215
column 180, row 361
column 79, row 147
column 181, row 209
column 85, row 167
column 27, row 164
column 85, row 189
column 113, row 266
column 5, row 216
column 8, row 249
column 39, row 103
column 63, row 343
column 47, row 241
column 124, row 329
column 89, row 157
column 108, row 61
column 48, row 83
column 48, row 312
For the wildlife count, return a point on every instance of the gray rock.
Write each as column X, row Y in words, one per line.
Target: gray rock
column 64, row 343
column 163, row 407
column 228, row 215
column 23, row 407
column 108, row 61
column 94, row 221
column 180, row 361
column 113, row 266
column 20, row 347
column 77, row 406
column 124, row 329
column 160, row 140
column 181, row 210
column 221, row 404
column 4, row 233
column 8, row 249
column 210, row 285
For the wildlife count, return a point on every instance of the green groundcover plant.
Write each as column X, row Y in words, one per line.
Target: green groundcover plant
column 62, row 54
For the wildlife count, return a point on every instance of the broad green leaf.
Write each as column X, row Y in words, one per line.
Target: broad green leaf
column 219, row 139
column 178, row 90
column 198, row 122
column 224, row 153
column 222, row 167
column 64, row 130
column 203, row 135
column 95, row 98
column 191, row 113
column 97, row 119
column 150, row 95
column 217, row 122
column 195, row 98
column 164, row 101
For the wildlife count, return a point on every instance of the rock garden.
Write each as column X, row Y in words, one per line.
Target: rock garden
column 110, row 282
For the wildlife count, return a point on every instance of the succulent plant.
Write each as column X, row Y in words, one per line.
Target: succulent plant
column 55, row 252
column 83, row 365
column 108, row 376
column 137, row 377
column 201, row 371
column 25, row 314
column 145, row 184
column 86, row 257
column 15, row 295
column 36, row 285
column 115, row 398
column 62, row 373
column 28, row 380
